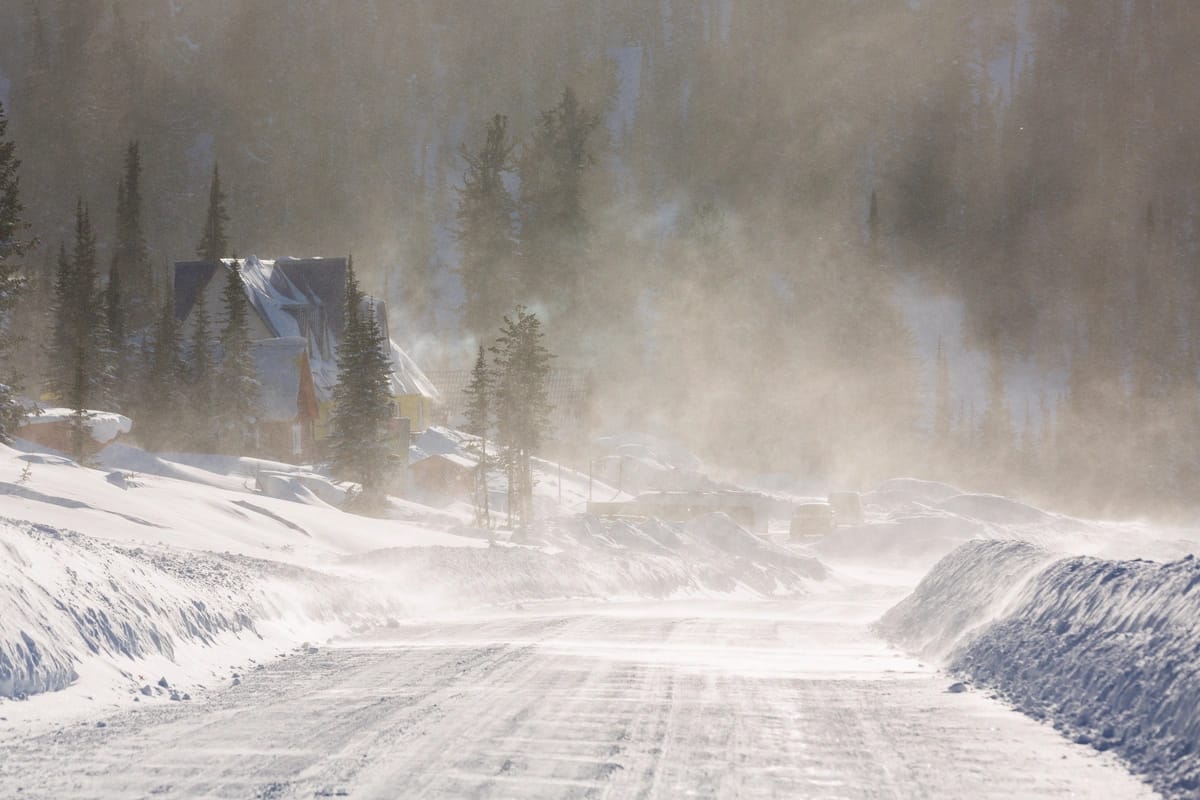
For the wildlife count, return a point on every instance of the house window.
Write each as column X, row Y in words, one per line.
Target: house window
column 297, row 439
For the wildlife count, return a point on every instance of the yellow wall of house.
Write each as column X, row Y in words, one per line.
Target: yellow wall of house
column 413, row 406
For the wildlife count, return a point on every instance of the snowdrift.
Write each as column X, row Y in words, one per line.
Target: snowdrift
column 968, row 588
column 65, row 595
column 602, row 558
column 914, row 523
column 103, row 572
column 1104, row 649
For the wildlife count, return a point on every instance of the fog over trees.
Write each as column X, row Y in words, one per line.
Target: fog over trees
column 846, row 240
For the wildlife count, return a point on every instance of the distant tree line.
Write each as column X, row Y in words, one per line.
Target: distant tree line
column 112, row 342
column 718, row 236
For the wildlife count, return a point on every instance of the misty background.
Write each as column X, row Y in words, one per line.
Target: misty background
column 837, row 240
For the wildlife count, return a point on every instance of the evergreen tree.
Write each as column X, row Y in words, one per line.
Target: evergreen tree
column 130, row 270
column 161, row 417
column 12, row 283
column 237, row 389
column 213, row 243
column 554, row 227
column 201, row 380
column 485, row 230
column 115, row 346
column 479, row 423
column 522, row 404
column 359, row 443
column 80, row 375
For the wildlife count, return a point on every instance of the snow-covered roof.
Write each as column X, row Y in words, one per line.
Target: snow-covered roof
column 301, row 298
column 407, row 377
column 104, row 426
column 445, row 443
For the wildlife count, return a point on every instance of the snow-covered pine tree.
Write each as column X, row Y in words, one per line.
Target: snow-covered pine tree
column 485, row 230
column 213, row 241
column 359, row 444
column 236, row 380
column 523, row 405
column 12, row 246
column 479, row 394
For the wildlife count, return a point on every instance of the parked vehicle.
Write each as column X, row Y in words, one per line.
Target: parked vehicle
column 847, row 508
column 811, row 521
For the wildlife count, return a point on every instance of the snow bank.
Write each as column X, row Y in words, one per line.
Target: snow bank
column 1104, row 649
column 65, row 595
column 904, row 491
column 603, row 558
column 1107, row 651
column 994, row 509
column 103, row 426
column 968, row 588
column 913, row 523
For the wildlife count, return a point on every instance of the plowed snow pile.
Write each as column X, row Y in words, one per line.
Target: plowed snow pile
column 1106, row 650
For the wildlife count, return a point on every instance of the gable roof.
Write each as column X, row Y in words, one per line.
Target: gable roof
column 302, row 299
column 191, row 278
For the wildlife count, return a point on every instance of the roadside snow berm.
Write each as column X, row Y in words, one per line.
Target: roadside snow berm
column 1105, row 650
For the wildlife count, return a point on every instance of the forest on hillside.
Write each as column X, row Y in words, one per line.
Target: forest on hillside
column 721, row 209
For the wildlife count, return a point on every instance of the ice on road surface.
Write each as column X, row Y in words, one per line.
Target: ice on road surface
column 789, row 699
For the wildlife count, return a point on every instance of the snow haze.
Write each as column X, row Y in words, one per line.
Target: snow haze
column 599, row 398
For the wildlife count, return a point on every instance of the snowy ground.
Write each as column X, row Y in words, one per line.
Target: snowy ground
column 217, row 627
column 784, row 698
column 106, row 571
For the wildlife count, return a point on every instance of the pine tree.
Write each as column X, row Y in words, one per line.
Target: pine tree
column 201, row 380
column 115, row 346
column 522, row 404
column 161, row 416
column 479, row 423
column 554, row 227
column 485, row 230
column 360, row 448
column 213, row 243
column 237, row 389
column 12, row 284
column 80, row 374
column 130, row 270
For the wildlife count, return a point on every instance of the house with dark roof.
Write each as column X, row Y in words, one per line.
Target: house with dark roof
column 298, row 307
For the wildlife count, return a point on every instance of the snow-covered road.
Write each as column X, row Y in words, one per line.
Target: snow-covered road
column 791, row 699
